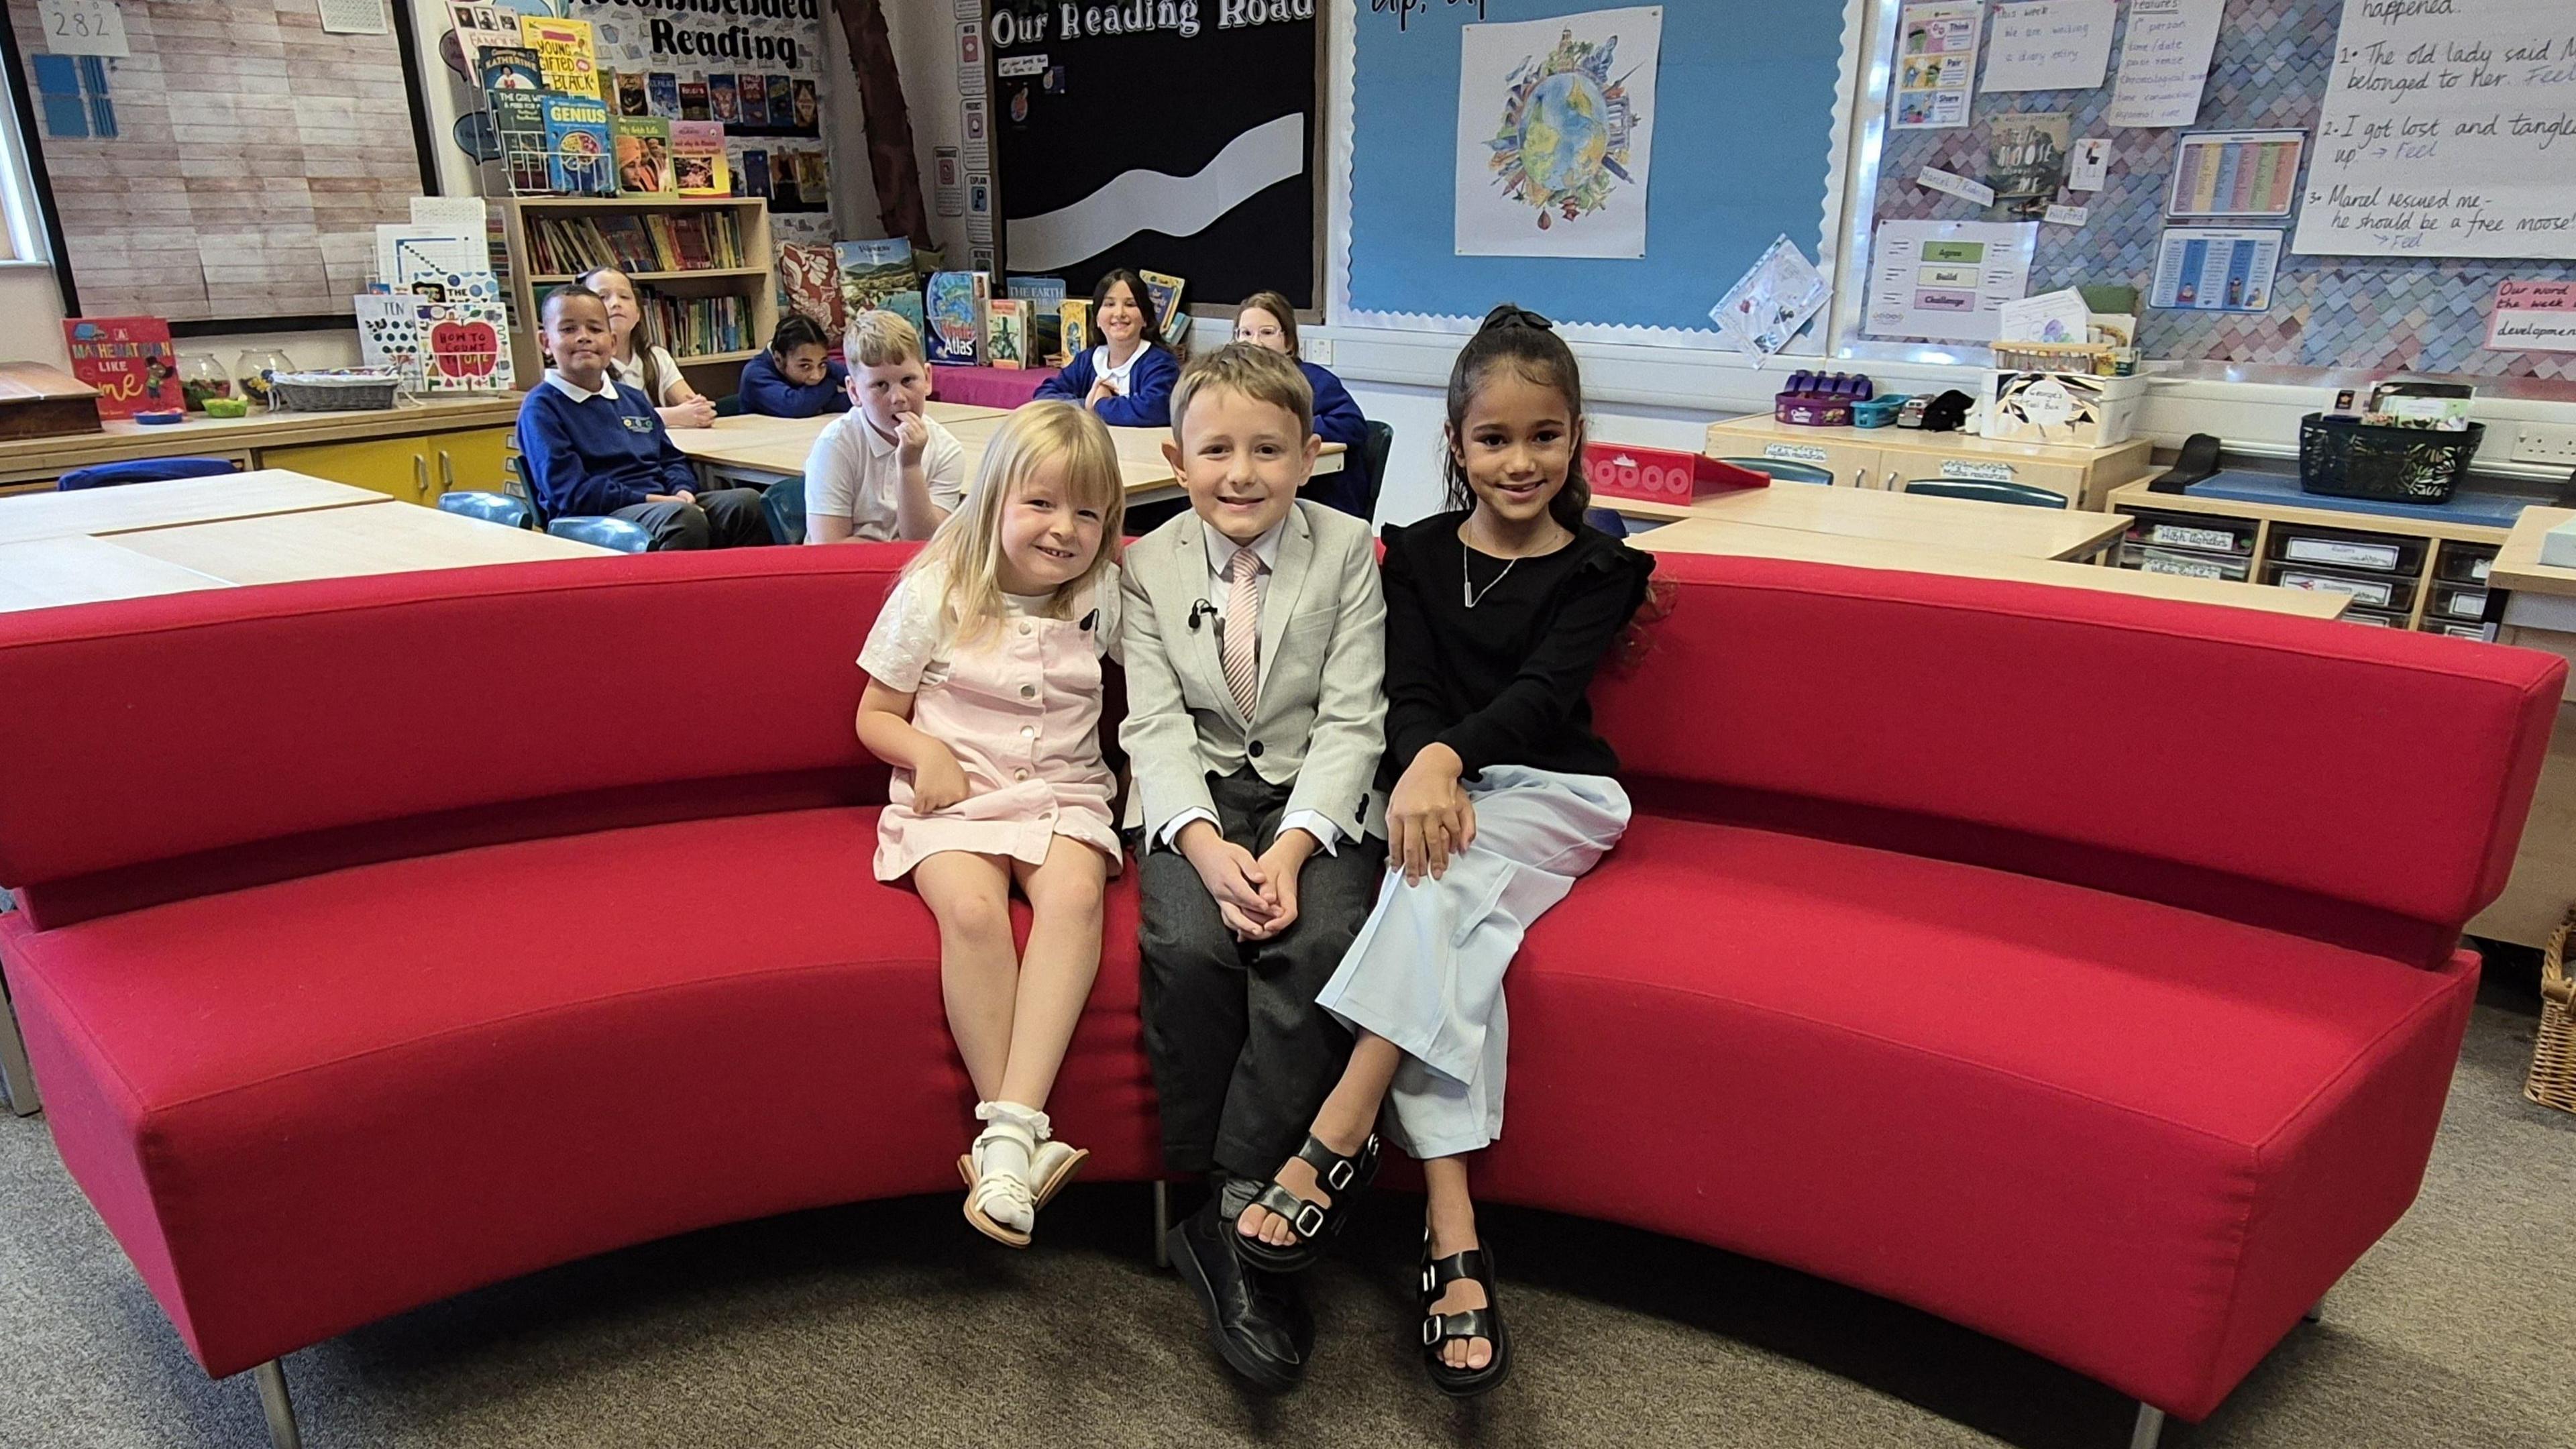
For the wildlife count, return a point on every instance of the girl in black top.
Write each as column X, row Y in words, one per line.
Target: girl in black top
column 1497, row 615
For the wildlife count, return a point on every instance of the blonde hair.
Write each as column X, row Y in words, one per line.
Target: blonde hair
column 1277, row 306
column 1252, row 370
column 879, row 338
column 641, row 341
column 969, row 545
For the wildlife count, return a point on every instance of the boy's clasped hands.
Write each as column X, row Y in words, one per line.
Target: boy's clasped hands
column 1256, row 895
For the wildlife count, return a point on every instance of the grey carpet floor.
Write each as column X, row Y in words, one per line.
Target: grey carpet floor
column 892, row 1324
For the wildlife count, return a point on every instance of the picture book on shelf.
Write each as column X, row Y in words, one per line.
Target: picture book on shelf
column 1006, row 332
column 511, row 68
column 698, row 159
column 631, row 99
column 693, row 100
column 566, row 53
column 782, row 102
column 755, row 173
column 662, row 91
column 1166, row 294
column 754, row 98
column 519, row 130
column 644, row 157
column 880, row 274
column 1073, row 317
column 809, row 282
column 1045, row 296
column 953, row 304
column 130, row 360
column 577, row 146
column 723, row 100
column 481, row 27
column 462, row 346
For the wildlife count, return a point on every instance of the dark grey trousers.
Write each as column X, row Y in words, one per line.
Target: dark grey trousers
column 1242, row 1057
column 724, row 518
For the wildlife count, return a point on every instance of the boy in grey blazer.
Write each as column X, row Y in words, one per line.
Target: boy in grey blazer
column 1255, row 639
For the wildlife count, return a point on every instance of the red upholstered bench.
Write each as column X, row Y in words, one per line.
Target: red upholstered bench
column 368, row 921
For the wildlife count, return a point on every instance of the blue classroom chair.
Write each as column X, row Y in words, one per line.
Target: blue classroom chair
column 140, row 470
column 498, row 508
column 1779, row 472
column 2020, row 493
column 603, row 532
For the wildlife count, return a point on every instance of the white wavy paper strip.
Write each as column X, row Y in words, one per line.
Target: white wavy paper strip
column 1135, row 201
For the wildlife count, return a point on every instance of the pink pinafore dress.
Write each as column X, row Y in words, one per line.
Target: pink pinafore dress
column 1020, row 707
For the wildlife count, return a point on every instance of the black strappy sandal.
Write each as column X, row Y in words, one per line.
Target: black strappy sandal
column 1441, row 1329
column 1316, row 1224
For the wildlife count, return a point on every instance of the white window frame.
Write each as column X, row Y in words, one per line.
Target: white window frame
column 22, row 222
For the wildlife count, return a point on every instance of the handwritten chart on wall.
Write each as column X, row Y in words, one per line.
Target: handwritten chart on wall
column 2448, row 134
column 2269, row 72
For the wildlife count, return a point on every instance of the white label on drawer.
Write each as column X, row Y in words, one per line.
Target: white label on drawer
column 2478, row 569
column 2468, row 605
column 2373, row 620
column 2343, row 551
column 1977, row 472
column 1793, row 452
column 2190, row 568
column 2361, row 589
column 2182, row 537
column 2468, row 631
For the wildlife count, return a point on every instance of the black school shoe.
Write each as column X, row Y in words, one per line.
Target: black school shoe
column 1257, row 1322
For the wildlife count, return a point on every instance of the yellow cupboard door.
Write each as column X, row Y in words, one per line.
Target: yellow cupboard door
column 470, row 462
column 395, row 467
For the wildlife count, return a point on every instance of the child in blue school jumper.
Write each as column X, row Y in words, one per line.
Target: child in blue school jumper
column 796, row 377
column 1267, row 320
column 1125, row 374
column 591, row 446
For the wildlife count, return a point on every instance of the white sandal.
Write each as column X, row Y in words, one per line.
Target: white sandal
column 998, row 1187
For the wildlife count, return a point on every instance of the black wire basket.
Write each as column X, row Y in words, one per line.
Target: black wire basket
column 2348, row 458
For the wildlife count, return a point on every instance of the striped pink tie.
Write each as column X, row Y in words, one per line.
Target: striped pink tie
column 1243, row 630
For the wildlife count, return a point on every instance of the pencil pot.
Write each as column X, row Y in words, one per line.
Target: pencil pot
column 2347, row 458
column 2552, row 1082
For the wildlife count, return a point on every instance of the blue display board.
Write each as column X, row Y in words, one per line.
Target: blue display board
column 1743, row 142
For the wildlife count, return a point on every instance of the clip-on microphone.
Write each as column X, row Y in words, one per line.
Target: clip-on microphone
column 1199, row 609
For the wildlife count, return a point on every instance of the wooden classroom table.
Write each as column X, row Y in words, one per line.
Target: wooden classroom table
column 167, row 538
column 2044, row 533
column 182, row 500
column 2539, row 613
column 245, row 439
column 1726, row 536
column 762, row 451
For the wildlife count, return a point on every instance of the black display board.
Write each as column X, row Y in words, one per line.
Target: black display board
column 1086, row 93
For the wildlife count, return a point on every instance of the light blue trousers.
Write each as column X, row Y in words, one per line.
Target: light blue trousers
column 1426, row 971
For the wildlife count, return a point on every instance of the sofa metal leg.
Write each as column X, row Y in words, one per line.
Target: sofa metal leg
column 2150, row 1427
column 281, row 1410
column 15, row 1079
column 1162, row 1223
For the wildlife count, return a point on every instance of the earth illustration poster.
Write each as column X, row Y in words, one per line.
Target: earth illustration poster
column 1556, row 131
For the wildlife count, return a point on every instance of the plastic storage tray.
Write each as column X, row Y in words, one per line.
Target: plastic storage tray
column 2185, row 563
column 2464, row 563
column 2387, row 553
column 2367, row 591
column 2195, row 532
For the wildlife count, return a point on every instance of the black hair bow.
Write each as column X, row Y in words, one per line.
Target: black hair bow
column 1508, row 315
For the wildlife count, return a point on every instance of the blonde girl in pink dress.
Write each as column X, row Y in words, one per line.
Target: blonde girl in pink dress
column 984, row 694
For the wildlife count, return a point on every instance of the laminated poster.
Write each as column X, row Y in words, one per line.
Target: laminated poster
column 1936, row 64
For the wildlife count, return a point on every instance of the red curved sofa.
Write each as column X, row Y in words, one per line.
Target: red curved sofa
column 2079, row 968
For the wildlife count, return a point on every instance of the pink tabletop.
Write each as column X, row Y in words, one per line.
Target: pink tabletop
column 991, row 387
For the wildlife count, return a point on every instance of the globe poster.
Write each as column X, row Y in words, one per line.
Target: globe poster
column 1556, row 132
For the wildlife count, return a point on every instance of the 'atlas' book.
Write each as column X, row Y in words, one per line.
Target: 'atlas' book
column 698, row 159
column 644, row 157
column 953, row 303
column 565, row 50
column 577, row 146
column 131, row 362
column 1006, row 332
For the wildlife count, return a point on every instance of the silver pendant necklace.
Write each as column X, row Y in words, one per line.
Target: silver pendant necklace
column 1466, row 587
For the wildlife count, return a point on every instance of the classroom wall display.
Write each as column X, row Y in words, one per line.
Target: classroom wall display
column 227, row 170
column 2447, row 132
column 1556, row 134
column 2269, row 71
column 1393, row 261
column 1164, row 134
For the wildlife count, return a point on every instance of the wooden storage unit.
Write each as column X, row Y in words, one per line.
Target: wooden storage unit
column 713, row 373
column 2409, row 573
column 1892, row 457
column 414, row 452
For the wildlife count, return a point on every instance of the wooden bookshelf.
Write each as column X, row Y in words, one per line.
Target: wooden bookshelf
column 715, row 374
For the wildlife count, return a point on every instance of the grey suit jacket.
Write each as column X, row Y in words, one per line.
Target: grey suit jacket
column 1320, row 717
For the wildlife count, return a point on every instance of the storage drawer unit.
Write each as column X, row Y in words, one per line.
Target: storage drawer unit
column 2185, row 563
column 2382, row 553
column 2464, row 563
column 2394, row 593
column 2198, row 533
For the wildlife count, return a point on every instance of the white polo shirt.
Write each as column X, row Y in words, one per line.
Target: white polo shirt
column 855, row 472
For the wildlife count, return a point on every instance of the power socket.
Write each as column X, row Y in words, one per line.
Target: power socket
column 2543, row 443
column 1318, row 350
